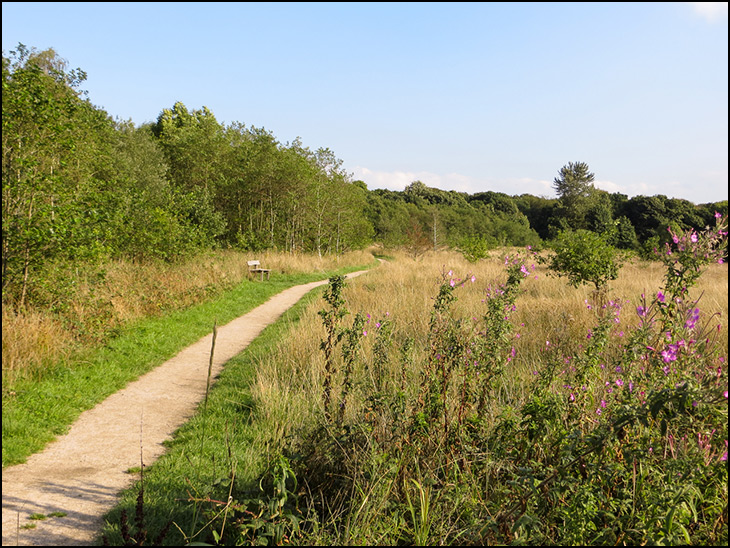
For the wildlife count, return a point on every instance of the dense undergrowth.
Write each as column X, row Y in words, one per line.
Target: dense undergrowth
column 405, row 439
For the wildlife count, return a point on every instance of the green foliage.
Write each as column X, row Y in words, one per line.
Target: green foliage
column 474, row 248
column 584, row 257
column 268, row 516
column 53, row 143
column 331, row 318
column 578, row 198
column 624, row 236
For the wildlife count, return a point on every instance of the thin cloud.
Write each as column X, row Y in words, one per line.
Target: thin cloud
column 399, row 180
column 712, row 11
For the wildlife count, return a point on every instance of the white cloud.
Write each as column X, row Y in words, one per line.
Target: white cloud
column 514, row 186
column 398, row 180
column 712, row 11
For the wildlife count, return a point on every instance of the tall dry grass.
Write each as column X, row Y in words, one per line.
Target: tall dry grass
column 289, row 382
column 84, row 306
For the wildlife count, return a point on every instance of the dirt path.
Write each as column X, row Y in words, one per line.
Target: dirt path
column 82, row 472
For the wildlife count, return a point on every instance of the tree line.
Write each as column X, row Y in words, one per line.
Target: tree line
column 80, row 186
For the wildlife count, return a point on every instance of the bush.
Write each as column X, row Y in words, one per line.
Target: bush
column 585, row 257
column 474, row 248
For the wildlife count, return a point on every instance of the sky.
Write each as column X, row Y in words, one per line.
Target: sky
column 461, row 96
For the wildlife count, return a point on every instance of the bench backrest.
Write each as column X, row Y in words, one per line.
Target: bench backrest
column 254, row 263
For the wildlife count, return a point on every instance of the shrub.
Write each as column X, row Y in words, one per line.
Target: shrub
column 585, row 257
column 474, row 248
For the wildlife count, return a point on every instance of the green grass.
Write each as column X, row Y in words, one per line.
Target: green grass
column 40, row 410
column 205, row 450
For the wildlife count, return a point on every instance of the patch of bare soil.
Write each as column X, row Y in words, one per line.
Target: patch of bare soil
column 82, row 472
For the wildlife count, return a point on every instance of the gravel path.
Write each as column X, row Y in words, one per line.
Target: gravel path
column 82, row 472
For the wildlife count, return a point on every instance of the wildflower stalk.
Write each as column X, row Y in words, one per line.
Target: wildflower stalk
column 331, row 318
column 352, row 338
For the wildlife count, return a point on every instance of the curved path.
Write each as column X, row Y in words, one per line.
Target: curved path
column 82, row 472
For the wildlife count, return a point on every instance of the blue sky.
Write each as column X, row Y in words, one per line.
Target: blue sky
column 469, row 97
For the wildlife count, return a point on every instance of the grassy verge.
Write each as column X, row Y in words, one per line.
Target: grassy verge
column 224, row 439
column 36, row 411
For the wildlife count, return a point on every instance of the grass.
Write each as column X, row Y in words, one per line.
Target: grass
column 203, row 453
column 268, row 398
column 79, row 306
column 270, row 395
column 38, row 408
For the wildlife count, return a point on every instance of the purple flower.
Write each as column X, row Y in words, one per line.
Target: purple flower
column 452, row 283
column 641, row 311
column 660, row 297
column 693, row 317
column 669, row 354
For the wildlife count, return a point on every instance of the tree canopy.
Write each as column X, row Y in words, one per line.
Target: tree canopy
column 79, row 186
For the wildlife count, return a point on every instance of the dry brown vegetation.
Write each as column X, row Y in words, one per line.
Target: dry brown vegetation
column 83, row 308
column 289, row 382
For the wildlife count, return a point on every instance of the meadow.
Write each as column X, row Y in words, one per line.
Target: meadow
column 101, row 328
column 437, row 401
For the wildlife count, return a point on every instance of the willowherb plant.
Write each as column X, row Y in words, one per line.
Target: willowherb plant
column 331, row 318
column 467, row 355
column 654, row 411
column 350, row 348
column 689, row 253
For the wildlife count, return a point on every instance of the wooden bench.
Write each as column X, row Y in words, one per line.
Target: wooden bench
column 254, row 267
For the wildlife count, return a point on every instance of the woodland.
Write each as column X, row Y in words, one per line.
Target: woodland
column 81, row 187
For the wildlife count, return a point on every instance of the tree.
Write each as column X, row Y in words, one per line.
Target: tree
column 53, row 143
column 418, row 241
column 576, row 193
column 585, row 257
column 474, row 248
